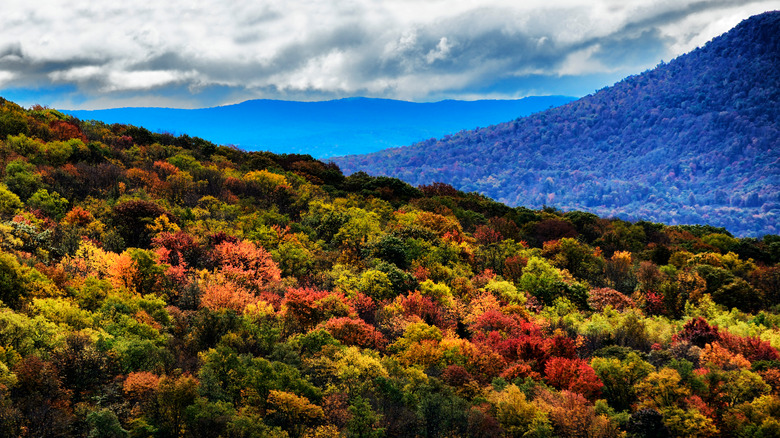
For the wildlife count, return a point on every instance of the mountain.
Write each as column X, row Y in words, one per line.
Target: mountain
column 692, row 141
column 324, row 129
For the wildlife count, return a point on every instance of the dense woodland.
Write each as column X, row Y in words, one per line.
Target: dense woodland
column 161, row 286
column 696, row 140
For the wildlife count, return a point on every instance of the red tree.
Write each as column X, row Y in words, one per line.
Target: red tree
column 352, row 331
column 574, row 375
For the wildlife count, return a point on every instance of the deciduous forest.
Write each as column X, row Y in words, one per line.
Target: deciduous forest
column 162, row 286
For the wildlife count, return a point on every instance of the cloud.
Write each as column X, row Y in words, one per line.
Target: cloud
column 212, row 52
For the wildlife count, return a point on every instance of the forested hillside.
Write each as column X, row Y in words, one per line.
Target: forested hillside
column 160, row 286
column 692, row 141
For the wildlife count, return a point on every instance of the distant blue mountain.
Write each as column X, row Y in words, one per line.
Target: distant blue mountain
column 329, row 128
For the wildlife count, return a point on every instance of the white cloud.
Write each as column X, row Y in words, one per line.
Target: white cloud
column 581, row 62
column 143, row 80
column 76, row 74
column 5, row 77
column 324, row 72
column 313, row 49
column 441, row 52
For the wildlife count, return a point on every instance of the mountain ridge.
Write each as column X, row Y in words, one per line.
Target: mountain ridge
column 691, row 141
column 324, row 128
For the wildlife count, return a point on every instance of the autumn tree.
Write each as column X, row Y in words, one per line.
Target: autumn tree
column 620, row 378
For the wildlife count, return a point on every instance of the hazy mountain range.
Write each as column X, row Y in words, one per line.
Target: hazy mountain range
column 324, row 129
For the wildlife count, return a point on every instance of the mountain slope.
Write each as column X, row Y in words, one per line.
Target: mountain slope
column 692, row 141
column 161, row 286
column 324, row 129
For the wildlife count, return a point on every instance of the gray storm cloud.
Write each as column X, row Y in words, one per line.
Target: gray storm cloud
column 213, row 52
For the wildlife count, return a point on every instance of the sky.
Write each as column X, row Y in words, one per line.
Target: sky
column 86, row 54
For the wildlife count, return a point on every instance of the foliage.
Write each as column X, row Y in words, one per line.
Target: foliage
column 600, row 298
column 620, row 377
column 518, row 416
column 574, row 375
column 161, row 286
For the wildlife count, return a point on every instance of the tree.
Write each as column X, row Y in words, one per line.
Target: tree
column 174, row 395
column 27, row 147
column 647, row 423
column 620, row 377
column 364, row 422
column 689, row 423
column 13, row 285
column 752, row 348
column 392, row 250
column 21, row 178
column 292, row 412
column 518, row 416
column 132, row 217
column 83, row 368
column 207, row 419
column 105, row 424
column 376, row 284
column 579, row 259
column 572, row 416
column 357, row 370
column 294, row 259
column 9, row 202
column 246, row 264
column 351, row 331
column 740, row 294
column 441, row 413
column 361, row 227
column 226, row 295
column 542, row 280
column 41, row 398
column 619, row 272
column 574, row 375
column 661, row 389
column 600, row 298
column 304, row 308
column 506, row 291
column 698, row 332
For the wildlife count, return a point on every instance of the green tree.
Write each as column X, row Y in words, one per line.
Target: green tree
column 13, row 287
column 54, row 205
column 578, row 258
column 174, row 396
column 518, row 416
column 360, row 228
column 9, row 202
column 105, row 424
column 364, row 422
column 541, row 280
column 27, row 147
column 661, row 389
column 376, row 284
column 21, row 178
column 620, row 377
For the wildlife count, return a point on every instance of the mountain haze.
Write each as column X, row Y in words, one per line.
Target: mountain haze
column 324, row 129
column 692, row 141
